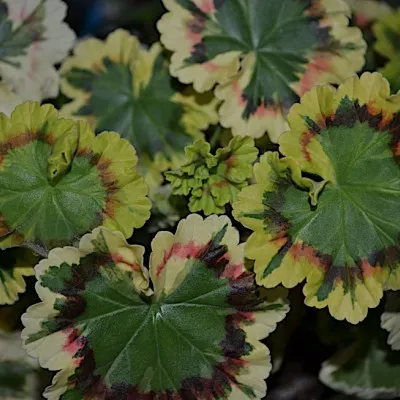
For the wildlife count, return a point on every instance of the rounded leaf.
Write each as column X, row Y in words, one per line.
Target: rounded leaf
column 261, row 54
column 58, row 180
column 367, row 369
column 148, row 109
column 33, row 38
column 390, row 319
column 196, row 336
column 338, row 229
column 214, row 180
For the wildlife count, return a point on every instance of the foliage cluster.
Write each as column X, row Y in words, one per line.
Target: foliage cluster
column 159, row 204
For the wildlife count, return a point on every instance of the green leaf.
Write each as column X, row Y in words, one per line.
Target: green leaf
column 32, row 39
column 214, row 180
column 391, row 71
column 390, row 319
column 16, row 43
column 195, row 335
column 164, row 213
column 367, row 369
column 58, row 181
column 262, row 54
column 328, row 212
column 17, row 369
column 148, row 109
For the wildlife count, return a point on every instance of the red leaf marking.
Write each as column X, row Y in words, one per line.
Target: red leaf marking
column 374, row 109
column 368, row 270
column 239, row 94
column 281, row 240
column 117, row 258
column 262, row 110
column 109, row 181
column 305, row 141
column 192, row 36
column 84, row 152
column 299, row 250
column 318, row 66
column 179, row 250
column 231, row 162
column 207, row 6
column 246, row 316
column 195, row 27
column 233, row 271
column 385, row 122
column 211, row 66
column 361, row 20
column 74, row 342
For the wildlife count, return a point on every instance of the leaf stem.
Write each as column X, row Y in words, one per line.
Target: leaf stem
column 216, row 137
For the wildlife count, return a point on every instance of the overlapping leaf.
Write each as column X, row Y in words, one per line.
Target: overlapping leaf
column 367, row 369
column 165, row 212
column 338, row 225
column 196, row 335
column 390, row 319
column 387, row 31
column 364, row 14
column 58, row 181
column 262, row 54
column 14, row 265
column 214, row 180
column 367, row 11
column 147, row 108
column 32, row 39
column 17, row 369
column 8, row 99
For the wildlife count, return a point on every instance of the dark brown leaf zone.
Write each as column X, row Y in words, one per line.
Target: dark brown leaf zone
column 110, row 184
column 24, row 138
column 245, row 294
column 71, row 280
column 88, row 386
column 348, row 275
column 348, row 114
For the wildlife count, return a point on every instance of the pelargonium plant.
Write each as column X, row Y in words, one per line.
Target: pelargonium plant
column 166, row 205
